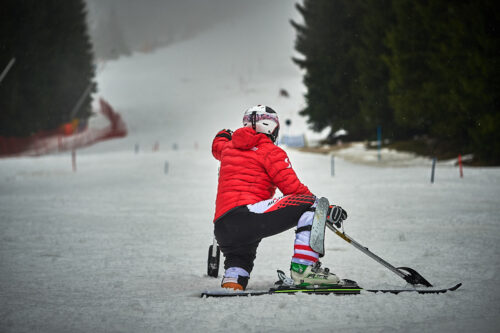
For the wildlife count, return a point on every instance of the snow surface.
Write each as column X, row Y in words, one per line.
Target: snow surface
column 357, row 153
column 121, row 244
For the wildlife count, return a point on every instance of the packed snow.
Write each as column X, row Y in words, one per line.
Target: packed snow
column 121, row 244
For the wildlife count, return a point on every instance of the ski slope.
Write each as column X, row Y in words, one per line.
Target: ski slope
column 121, row 246
column 185, row 93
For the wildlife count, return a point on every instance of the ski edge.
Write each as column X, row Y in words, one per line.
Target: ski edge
column 323, row 291
column 420, row 291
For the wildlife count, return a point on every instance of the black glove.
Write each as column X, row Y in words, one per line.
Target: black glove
column 336, row 215
column 225, row 133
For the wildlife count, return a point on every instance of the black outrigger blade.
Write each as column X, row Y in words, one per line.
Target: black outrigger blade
column 413, row 277
column 408, row 274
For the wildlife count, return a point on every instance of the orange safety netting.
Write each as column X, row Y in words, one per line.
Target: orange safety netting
column 65, row 138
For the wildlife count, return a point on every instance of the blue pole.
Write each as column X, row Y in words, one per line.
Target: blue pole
column 379, row 141
column 165, row 168
column 433, row 168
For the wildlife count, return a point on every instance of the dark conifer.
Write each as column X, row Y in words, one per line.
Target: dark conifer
column 53, row 67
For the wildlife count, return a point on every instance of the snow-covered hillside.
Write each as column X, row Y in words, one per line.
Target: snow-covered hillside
column 120, row 246
column 185, row 93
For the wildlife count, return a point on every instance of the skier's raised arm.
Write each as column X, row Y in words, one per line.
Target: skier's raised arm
column 222, row 137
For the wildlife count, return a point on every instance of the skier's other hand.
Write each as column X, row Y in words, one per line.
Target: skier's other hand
column 225, row 133
column 336, row 215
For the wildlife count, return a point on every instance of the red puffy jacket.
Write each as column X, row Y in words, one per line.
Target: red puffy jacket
column 252, row 166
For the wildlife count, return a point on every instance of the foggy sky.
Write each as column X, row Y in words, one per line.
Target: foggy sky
column 141, row 25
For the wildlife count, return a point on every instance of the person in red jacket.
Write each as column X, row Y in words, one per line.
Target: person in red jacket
column 252, row 166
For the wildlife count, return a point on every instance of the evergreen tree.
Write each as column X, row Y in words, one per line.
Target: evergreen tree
column 326, row 41
column 468, row 65
column 373, row 72
column 53, row 66
column 426, row 68
column 444, row 73
column 407, row 61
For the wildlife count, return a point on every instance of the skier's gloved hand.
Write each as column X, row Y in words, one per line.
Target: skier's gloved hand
column 336, row 215
column 225, row 133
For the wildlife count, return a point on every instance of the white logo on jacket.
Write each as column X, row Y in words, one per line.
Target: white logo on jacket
column 289, row 164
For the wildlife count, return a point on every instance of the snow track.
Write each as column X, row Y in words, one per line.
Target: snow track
column 120, row 246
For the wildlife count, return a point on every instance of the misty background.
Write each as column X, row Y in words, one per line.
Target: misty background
column 121, row 27
column 180, row 71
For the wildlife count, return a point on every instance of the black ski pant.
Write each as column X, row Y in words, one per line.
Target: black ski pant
column 240, row 230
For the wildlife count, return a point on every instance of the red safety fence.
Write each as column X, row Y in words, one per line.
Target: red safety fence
column 65, row 138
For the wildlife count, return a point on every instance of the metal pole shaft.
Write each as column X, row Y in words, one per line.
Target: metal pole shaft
column 379, row 142
column 80, row 101
column 365, row 250
column 332, row 166
column 7, row 69
column 433, row 169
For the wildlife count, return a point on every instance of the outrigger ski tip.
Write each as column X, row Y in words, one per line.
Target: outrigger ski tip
column 420, row 291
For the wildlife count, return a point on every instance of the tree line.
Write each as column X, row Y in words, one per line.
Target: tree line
column 420, row 69
column 53, row 68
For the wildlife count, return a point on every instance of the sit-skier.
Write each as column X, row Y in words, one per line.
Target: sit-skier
column 252, row 166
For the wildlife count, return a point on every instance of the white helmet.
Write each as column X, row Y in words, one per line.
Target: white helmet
column 262, row 119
